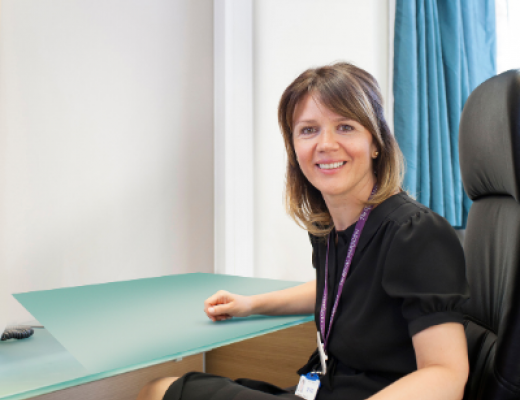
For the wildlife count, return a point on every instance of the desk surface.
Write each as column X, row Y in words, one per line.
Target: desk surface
column 104, row 330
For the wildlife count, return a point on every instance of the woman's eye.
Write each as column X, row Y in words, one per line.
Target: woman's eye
column 345, row 128
column 308, row 130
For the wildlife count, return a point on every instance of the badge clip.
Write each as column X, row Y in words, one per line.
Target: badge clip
column 323, row 356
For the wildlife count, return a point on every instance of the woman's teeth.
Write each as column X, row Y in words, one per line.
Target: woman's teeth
column 331, row 166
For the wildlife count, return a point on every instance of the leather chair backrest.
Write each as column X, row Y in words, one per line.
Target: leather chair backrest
column 489, row 145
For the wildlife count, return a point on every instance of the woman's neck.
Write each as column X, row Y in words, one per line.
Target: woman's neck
column 345, row 214
column 345, row 210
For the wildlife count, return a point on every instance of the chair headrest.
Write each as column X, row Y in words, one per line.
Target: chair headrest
column 489, row 138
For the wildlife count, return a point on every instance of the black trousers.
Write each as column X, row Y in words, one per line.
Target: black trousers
column 201, row 386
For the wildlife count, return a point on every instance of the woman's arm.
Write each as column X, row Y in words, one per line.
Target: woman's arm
column 442, row 367
column 296, row 300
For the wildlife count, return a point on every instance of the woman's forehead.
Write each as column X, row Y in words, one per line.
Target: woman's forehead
column 311, row 107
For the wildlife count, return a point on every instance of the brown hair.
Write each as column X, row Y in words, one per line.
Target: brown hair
column 353, row 93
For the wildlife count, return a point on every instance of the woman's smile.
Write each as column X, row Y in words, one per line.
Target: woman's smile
column 330, row 168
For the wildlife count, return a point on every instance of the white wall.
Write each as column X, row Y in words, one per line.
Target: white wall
column 106, row 142
column 507, row 13
column 291, row 36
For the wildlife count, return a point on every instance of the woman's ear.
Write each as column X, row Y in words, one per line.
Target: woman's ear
column 375, row 151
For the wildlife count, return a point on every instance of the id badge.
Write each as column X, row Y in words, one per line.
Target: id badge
column 308, row 386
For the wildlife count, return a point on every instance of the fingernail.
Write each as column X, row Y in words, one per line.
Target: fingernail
column 211, row 310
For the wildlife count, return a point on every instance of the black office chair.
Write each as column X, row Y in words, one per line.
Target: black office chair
column 490, row 164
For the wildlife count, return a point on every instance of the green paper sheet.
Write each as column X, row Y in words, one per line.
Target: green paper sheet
column 116, row 325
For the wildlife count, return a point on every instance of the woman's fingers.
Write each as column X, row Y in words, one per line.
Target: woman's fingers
column 221, row 297
column 221, row 309
column 224, row 305
column 219, row 306
column 221, row 317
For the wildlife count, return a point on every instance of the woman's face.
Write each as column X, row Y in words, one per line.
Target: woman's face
column 334, row 153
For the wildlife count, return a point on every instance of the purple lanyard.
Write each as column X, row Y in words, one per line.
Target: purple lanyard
column 360, row 224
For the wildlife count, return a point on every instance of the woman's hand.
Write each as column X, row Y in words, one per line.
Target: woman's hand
column 224, row 305
column 296, row 300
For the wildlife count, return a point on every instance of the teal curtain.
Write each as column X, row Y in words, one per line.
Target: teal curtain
column 443, row 49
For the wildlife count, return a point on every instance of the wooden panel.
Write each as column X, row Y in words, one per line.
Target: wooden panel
column 274, row 357
column 126, row 386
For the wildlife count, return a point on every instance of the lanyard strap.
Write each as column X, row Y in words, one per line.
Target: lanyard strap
column 360, row 224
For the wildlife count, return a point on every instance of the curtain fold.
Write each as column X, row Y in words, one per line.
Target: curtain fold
column 443, row 49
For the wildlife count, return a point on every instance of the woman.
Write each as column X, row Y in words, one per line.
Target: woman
column 390, row 272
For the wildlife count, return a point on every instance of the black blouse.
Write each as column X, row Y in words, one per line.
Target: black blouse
column 407, row 274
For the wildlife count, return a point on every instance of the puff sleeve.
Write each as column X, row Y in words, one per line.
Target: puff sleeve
column 425, row 267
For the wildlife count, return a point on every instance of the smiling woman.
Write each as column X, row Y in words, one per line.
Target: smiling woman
column 388, row 289
column 328, row 115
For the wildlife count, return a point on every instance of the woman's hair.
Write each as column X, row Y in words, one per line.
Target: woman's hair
column 354, row 94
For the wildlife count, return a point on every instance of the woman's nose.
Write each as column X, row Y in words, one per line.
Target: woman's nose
column 327, row 140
